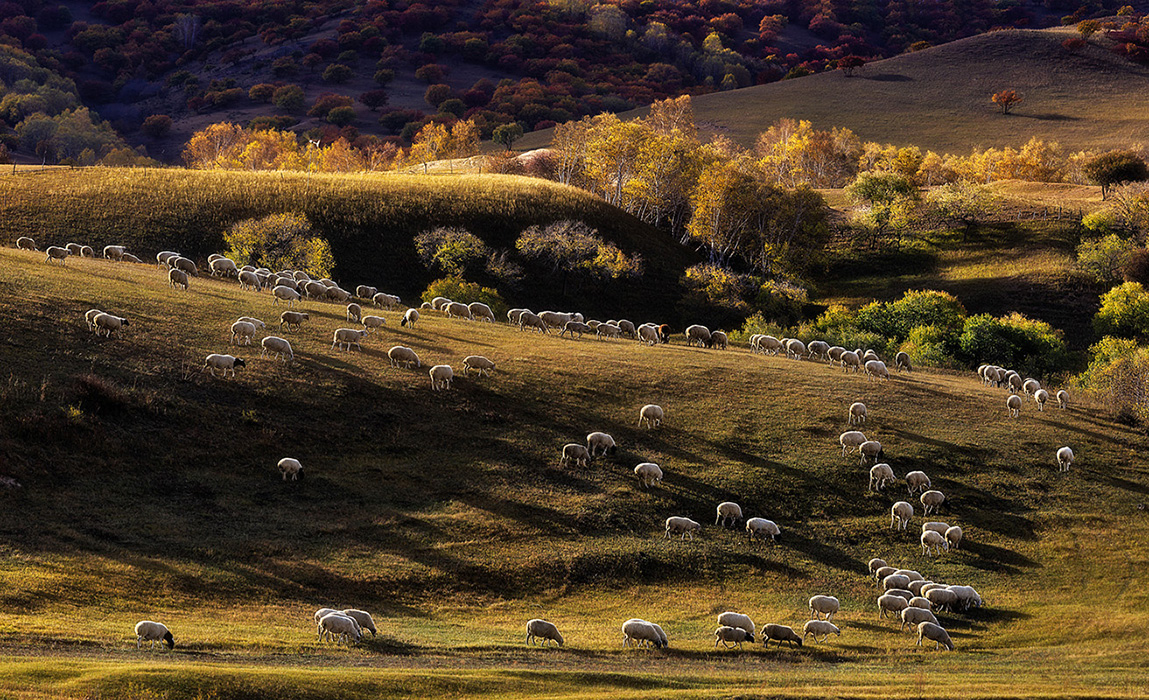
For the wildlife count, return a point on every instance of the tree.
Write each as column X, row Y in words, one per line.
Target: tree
column 849, row 64
column 337, row 73
column 887, row 199
column 157, row 126
column 1105, row 258
column 1088, row 28
column 341, row 116
column 263, row 92
column 1124, row 312
column 1006, row 100
column 280, row 241
column 214, row 146
column 429, row 144
column 507, row 134
column 436, row 95
column 1116, row 168
column 964, row 202
column 289, row 98
column 453, row 250
column 374, row 99
column 573, row 248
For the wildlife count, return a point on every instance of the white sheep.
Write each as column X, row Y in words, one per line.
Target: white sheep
column 761, row 527
column 822, row 627
column 857, row 413
column 913, row 616
column 337, row 624
column 278, row 347
column 937, row 527
column 627, row 327
column 290, row 467
column 108, row 323
column 25, row 243
column 940, row 598
column 348, row 337
column 648, row 333
column 573, row 327
column 933, row 543
column 870, row 450
column 365, row 292
column 242, row 330
column 639, row 631
column 75, row 249
column 652, row 414
column 953, row 537
column 354, row 312
column 113, row 252
column 532, row 320
column 314, row 289
column 918, row 601
column 293, row 318
column 405, row 355
column 902, row 361
column 851, row 440
column 818, row 348
column 55, row 252
column 227, row 363
column 600, row 443
column 441, row 377
column 90, row 317
column 223, row 266
column 128, row 257
column 544, row 631
column 727, row 636
column 607, row 330
column 917, row 482
column 648, row 473
column 883, row 571
column 1030, row 386
column 1013, row 403
column 916, row 586
column 338, row 294
column 851, row 361
column 410, row 317
column 900, row 515
column 682, row 527
column 966, row 597
column 372, row 323
column 388, row 301
column 481, row 311
column 877, row 369
column 513, row 316
column 934, row 633
column 477, row 363
column 736, row 619
column 880, row 475
column 1040, row 397
column 890, row 603
column 770, row 345
column 148, row 631
column 1062, row 398
column 1065, row 458
column 719, row 340
column 932, row 500
column 282, row 293
column 728, row 512
column 456, row 310
column 780, row 633
column 795, row 348
column 555, row 319
column 87, row 252
column 896, row 581
column 698, row 335
column 910, row 574
column 178, row 278
column 876, row 563
column 250, row 280
column 823, row 605
column 574, row 452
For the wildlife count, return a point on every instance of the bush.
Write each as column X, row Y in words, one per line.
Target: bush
column 289, row 98
column 337, row 73
column 931, row 346
column 453, row 250
column 464, row 292
column 341, row 116
column 327, row 102
column 280, row 241
column 896, row 319
column 1118, row 375
column 263, row 92
column 436, row 95
column 1100, row 222
column 781, row 300
column 1124, row 312
column 1105, row 258
column 718, row 286
column 1031, row 347
column 157, row 126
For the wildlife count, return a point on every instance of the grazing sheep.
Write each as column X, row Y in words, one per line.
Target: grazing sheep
column 896, row 581
column 354, row 312
column 250, row 280
column 113, row 252
column 178, row 278
column 456, row 310
column 288, row 282
column 90, row 317
column 314, row 289
column 87, row 252
column 941, row 598
column 293, row 318
column 365, row 292
column 478, row 363
column 340, row 625
column 185, row 264
column 481, row 312
column 600, row 442
column 918, row 601
column 1029, row 387
column 857, row 413
column 1040, row 397
column 937, row 527
column 225, row 267
column 913, row 616
column 682, row 527
column 870, row 449
column 555, row 319
column 900, row 592
column 278, row 347
column 25, row 243
column 75, row 249
column 883, row 571
column 148, row 631
column 1014, row 380
column 329, row 283
column 780, row 633
column 916, row 586
column 513, row 316
column 851, row 440
column 761, row 527
column 441, row 377
column 902, row 361
column 822, row 627
column 409, row 318
column 917, row 482
column 648, row 333
column 647, row 473
column 283, row 293
column 300, row 276
column 727, row 636
column 639, row 631
column 213, row 257
column 348, row 337
column 932, row 500
column 574, row 452
column 890, row 603
column 337, row 294
column 933, row 543
column 770, row 345
column 573, row 327
column 363, row 618
column 900, row 515
column 626, row 327
column 227, row 363
column 652, row 414
column 532, row 320
column 795, row 348
column 697, row 335
column 108, row 323
column 818, row 348
column 242, row 330
column 544, row 631
column 1062, row 398
column 372, row 323
column 290, row 467
column 387, row 301
column 934, row 633
column 607, row 330
column 877, row 369
column 405, row 355
column 876, row 564
column 880, row 475
column 927, row 587
column 735, row 619
column 851, row 361
column 953, row 537
column 1065, row 458
column 966, row 597
column 55, row 252
column 823, row 605
column 728, row 512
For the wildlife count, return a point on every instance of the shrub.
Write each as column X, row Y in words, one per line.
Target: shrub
column 1029, row 346
column 916, row 308
column 263, row 92
column 1124, row 312
column 431, row 73
column 781, row 300
column 280, row 241
column 327, row 102
column 289, row 98
column 436, row 95
column 464, row 292
column 157, row 126
column 452, row 250
column 1118, row 375
column 719, row 286
column 1105, row 258
column 931, row 346
column 341, row 116
column 1100, row 222
column 337, row 73
column 1115, row 168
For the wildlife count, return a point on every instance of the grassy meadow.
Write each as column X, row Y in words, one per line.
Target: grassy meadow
column 149, row 490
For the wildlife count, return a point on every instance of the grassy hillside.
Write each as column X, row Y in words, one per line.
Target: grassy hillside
column 938, row 98
column 370, row 221
column 149, row 490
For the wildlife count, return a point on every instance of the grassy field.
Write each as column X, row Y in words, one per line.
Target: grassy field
column 149, row 490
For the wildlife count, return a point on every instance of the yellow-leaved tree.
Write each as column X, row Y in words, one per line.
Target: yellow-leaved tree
column 280, row 241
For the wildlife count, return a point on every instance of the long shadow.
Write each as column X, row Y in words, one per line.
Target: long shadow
column 888, row 78
column 1048, row 116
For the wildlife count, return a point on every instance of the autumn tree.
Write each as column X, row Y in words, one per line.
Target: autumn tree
column 1116, row 168
column 849, row 64
column 886, row 201
column 1006, row 100
column 507, row 134
column 214, row 146
column 429, row 144
column 452, row 250
column 280, row 241
column 1088, row 28
column 793, row 153
column 577, row 250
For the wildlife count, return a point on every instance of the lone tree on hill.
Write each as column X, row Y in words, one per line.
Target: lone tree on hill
column 1116, row 168
column 1006, row 99
column 849, row 64
column 507, row 134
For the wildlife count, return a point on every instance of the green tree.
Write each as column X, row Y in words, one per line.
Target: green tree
column 289, row 98
column 280, row 241
column 1116, row 168
column 1104, row 258
column 453, row 250
column 575, row 249
column 507, row 134
column 337, row 73
column 887, row 201
column 1124, row 312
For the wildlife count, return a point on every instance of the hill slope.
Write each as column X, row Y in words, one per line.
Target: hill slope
column 150, row 490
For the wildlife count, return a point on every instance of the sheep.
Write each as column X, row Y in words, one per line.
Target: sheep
column 1040, row 397
column 780, row 633
column 917, row 482
column 731, row 635
column 25, row 243
column 883, row 571
column 896, row 580
column 869, row 356
column 1029, row 387
column 639, row 631
column 933, row 542
column 340, row 625
column 365, row 292
column 250, row 280
column 877, row 370
column 851, row 440
column 283, row 293
column 55, row 252
column 300, row 276
column 903, row 593
column 227, row 363
column 574, row 452
column 924, row 590
column 1014, row 380
column 607, row 330
column 902, row 361
column 917, row 601
column 934, row 633
column 626, row 327
column 363, row 618
column 795, row 348
column 600, row 442
column 477, row 363
column 75, row 249
column 314, row 290
column 1062, row 398
column 697, row 335
column 87, row 252
column 405, row 355
column 1065, row 458
column 870, row 449
column 329, row 283
column 851, row 361
column 181, row 263
column 880, row 475
column 288, row 282
column 338, row 294
column 966, row 597
column 455, row 309
column 426, row 306
column 224, row 267
column 242, row 330
column 889, row 603
column 355, row 312
column 113, row 252
column 290, row 467
column 108, row 323
column 953, row 537
column 770, row 345
column 857, row 413
column 441, row 377
column 648, row 333
column 916, row 587
column 481, row 312
column 409, row 318
column 652, row 414
column 371, row 323
column 555, row 319
column 822, row 627
column 148, row 631
column 900, row 515
column 178, row 278
column 573, row 327
column 738, row 620
column 513, row 316
column 819, row 348
column 388, row 301
column 932, row 500
column 90, row 317
column 348, row 337
column 761, row 527
column 941, row 598
column 823, row 605
column 876, row 564
column 213, row 257
column 682, row 527
column 543, row 630
column 532, row 320
column 278, row 347
column 937, row 527
column 728, row 512
column 647, row 473
column 293, row 318
column 913, row 616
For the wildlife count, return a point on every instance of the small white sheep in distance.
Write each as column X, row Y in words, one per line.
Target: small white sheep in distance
column 933, row 543
column 917, row 482
column 293, row 318
column 876, row 563
column 652, row 414
column 600, row 443
column 1040, row 397
column 648, row 473
column 902, row 361
column 227, row 363
column 823, row 605
column 25, row 243
column 953, row 537
column 337, row 625
column 719, row 340
column 851, row 361
column 913, row 616
column 242, row 330
column 282, row 293
column 354, row 312
column 387, row 301
column 728, row 512
column 224, row 267
column 851, row 440
column 456, row 310
column 761, row 527
column 372, row 323
column 410, row 317
column 532, row 320
column 363, row 618
column 90, row 317
column 278, row 347
column 937, row 527
column 880, row 475
column 727, row 636
column 1013, row 403
column 481, row 312
column 543, row 631
column 148, row 631
column 877, row 369
column 932, row 500
column 940, row 598
column 780, row 633
column 900, row 515
column 55, row 252
column 113, row 252
column 822, row 627
column 405, row 355
column 108, row 323
column 639, row 631
column 883, row 571
column 890, row 603
column 129, row 258
column 75, row 249
column 1065, row 459
column 348, row 337
column 574, row 452
column 870, row 450
column 736, row 619
column 250, row 280
column 857, row 413
column 441, row 377
column 290, row 467
column 768, row 344
column 178, row 278
column 896, row 581
column 676, row 525
column 87, row 252
column 934, row 633
column 1062, row 398
column 477, row 363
